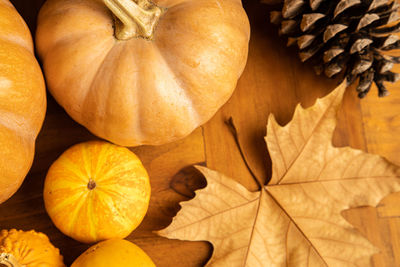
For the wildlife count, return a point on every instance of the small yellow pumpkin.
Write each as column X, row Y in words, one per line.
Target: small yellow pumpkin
column 96, row 191
column 28, row 249
column 114, row 253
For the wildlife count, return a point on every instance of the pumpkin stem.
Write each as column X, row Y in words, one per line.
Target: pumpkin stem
column 135, row 18
column 8, row 260
column 92, row 184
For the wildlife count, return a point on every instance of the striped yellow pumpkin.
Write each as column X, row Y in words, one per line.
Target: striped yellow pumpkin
column 96, row 191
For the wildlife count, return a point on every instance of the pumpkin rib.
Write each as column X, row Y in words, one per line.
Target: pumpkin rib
column 57, row 188
column 75, row 214
column 107, row 178
column 193, row 116
column 86, row 162
column 121, row 217
column 90, row 211
column 113, row 193
column 73, row 38
column 68, row 8
column 182, row 85
column 67, row 79
column 13, row 24
column 110, row 174
column 210, row 41
column 98, row 76
column 182, row 79
column 135, row 93
column 101, row 161
column 25, row 122
column 73, row 169
column 17, row 41
column 73, row 197
column 118, row 217
column 17, row 152
column 20, row 125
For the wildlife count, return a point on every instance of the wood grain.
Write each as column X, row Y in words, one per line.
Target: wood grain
column 274, row 81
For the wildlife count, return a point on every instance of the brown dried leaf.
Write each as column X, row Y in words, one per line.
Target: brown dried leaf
column 296, row 219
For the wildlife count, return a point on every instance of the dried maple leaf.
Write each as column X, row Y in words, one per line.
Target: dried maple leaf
column 296, row 219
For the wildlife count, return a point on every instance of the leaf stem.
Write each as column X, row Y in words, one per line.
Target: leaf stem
column 233, row 130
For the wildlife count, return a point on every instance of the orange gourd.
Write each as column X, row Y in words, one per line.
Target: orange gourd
column 139, row 71
column 22, row 100
column 28, row 249
column 114, row 253
column 96, row 191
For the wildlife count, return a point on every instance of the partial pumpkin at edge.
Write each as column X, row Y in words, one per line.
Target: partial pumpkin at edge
column 22, row 100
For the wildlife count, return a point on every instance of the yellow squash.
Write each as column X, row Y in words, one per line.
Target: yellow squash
column 28, row 249
column 114, row 253
column 22, row 100
column 96, row 191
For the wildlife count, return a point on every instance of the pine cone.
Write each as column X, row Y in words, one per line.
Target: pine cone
column 344, row 37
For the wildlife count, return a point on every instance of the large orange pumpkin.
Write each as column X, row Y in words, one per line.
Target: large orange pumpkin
column 28, row 249
column 22, row 100
column 96, row 191
column 168, row 66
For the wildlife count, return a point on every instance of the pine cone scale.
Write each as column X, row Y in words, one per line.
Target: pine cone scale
column 344, row 37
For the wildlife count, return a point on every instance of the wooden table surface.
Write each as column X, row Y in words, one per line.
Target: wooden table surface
column 274, row 81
